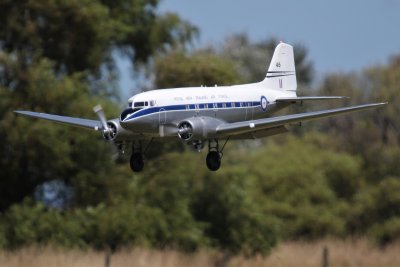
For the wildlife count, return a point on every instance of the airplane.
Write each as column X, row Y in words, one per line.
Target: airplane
column 206, row 115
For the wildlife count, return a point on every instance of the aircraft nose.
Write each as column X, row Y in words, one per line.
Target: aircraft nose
column 125, row 114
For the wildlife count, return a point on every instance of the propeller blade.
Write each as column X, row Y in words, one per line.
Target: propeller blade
column 100, row 113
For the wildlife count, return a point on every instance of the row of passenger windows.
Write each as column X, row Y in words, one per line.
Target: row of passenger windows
column 219, row 105
column 143, row 104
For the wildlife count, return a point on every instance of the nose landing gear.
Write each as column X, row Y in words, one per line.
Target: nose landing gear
column 137, row 162
column 137, row 159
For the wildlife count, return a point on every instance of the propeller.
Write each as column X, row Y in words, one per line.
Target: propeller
column 100, row 113
column 117, row 150
column 102, row 117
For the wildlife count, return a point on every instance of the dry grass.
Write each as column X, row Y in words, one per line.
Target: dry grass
column 294, row 254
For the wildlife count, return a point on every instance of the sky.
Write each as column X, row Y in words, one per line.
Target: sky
column 341, row 36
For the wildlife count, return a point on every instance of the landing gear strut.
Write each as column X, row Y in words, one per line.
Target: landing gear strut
column 137, row 159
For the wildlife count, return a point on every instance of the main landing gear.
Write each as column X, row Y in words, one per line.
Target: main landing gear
column 214, row 155
column 213, row 159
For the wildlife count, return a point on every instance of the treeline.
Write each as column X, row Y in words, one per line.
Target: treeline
column 336, row 177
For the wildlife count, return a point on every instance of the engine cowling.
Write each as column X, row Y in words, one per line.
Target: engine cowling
column 117, row 133
column 198, row 128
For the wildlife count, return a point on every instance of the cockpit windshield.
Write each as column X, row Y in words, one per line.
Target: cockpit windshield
column 143, row 104
column 136, row 106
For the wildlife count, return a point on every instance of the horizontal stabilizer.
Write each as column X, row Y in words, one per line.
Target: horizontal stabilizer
column 300, row 99
column 84, row 123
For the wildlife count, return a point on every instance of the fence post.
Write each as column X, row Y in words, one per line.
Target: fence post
column 107, row 260
column 325, row 257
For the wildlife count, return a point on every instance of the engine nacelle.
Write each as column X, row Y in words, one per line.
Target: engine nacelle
column 198, row 128
column 117, row 133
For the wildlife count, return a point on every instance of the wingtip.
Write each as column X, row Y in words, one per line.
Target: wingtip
column 382, row 103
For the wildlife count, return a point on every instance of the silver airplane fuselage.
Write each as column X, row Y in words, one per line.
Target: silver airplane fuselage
column 168, row 107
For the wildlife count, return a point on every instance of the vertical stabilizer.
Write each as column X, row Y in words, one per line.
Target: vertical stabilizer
column 281, row 73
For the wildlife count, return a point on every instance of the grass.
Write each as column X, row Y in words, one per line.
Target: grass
column 291, row 254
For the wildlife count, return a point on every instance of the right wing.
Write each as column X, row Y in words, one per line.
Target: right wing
column 84, row 123
column 242, row 127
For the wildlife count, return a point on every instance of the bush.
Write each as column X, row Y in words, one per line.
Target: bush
column 387, row 232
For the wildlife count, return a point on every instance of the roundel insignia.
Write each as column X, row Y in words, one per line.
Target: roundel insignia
column 264, row 103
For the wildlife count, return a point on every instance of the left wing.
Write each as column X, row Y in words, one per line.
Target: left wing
column 236, row 128
column 84, row 123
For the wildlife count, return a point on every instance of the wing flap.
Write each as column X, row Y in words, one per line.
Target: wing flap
column 236, row 128
column 261, row 133
column 79, row 122
column 307, row 98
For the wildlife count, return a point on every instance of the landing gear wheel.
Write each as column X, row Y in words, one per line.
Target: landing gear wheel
column 213, row 160
column 137, row 162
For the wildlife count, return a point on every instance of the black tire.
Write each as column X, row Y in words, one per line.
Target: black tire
column 213, row 160
column 137, row 162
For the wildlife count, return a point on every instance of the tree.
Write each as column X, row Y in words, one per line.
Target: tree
column 80, row 35
column 179, row 69
column 376, row 211
column 54, row 55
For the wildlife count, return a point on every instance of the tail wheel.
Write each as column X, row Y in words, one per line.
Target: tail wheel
column 213, row 160
column 137, row 162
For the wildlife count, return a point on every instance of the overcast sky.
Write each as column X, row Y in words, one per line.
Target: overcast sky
column 340, row 35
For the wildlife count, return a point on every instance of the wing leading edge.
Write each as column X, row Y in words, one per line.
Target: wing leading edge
column 84, row 123
column 236, row 128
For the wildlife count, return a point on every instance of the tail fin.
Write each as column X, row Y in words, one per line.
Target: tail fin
column 281, row 73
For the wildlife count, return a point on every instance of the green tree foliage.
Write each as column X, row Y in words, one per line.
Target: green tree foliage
column 80, row 35
column 379, row 143
column 377, row 211
column 40, row 151
column 298, row 187
column 235, row 220
column 180, row 69
column 383, row 83
column 52, row 56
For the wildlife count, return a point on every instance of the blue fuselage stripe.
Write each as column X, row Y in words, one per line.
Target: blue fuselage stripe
column 200, row 106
